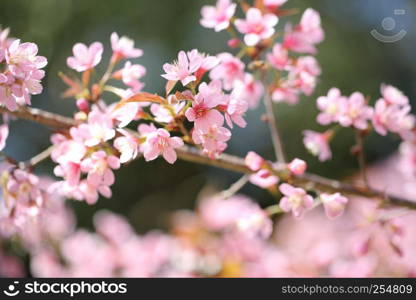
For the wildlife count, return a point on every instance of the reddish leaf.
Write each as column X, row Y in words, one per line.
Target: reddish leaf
column 75, row 86
column 141, row 97
column 287, row 12
column 181, row 96
column 169, row 86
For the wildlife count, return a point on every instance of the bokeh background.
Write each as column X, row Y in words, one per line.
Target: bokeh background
column 146, row 193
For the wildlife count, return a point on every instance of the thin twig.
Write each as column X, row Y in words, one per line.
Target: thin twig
column 235, row 187
column 273, row 126
column 361, row 156
column 37, row 159
column 273, row 210
column 236, row 164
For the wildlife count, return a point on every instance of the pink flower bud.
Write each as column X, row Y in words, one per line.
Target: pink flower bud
column 334, row 204
column 254, row 161
column 298, row 167
column 83, row 105
column 233, row 43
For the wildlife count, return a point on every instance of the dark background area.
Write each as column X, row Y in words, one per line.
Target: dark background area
column 146, row 193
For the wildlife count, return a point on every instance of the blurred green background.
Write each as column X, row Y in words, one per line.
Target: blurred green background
column 351, row 59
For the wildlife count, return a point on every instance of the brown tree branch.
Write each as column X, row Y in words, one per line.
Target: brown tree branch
column 40, row 116
column 233, row 163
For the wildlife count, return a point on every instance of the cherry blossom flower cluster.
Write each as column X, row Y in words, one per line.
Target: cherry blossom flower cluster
column 20, row 71
column 350, row 111
column 85, row 162
column 297, row 75
column 294, row 75
column 207, row 105
column 230, row 237
column 116, row 250
column 234, row 241
column 294, row 200
column 24, row 198
column 391, row 114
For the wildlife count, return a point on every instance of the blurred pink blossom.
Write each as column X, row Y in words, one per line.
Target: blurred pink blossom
column 256, row 26
column 219, row 16
column 85, row 58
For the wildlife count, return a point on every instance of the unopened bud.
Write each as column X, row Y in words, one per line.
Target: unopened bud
column 233, row 43
column 83, row 105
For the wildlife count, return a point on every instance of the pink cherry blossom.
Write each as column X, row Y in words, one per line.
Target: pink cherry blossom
column 131, row 75
column 334, row 204
column 22, row 58
column 23, row 197
column 127, row 113
column 160, row 142
column 127, row 145
column 236, row 109
column 4, row 133
column 301, row 78
column 99, row 166
column 393, row 95
column 254, row 161
column 306, row 35
column 318, row 144
column 70, row 171
column 393, row 114
column 331, row 107
column 207, row 62
column 307, row 64
column 68, row 149
column 256, row 26
column 286, row 93
column 356, row 113
column 237, row 213
column 203, row 111
column 303, row 74
column 31, row 85
column 219, row 16
column 213, row 139
column 264, row 179
column 91, row 192
column 407, row 164
column 100, row 127
column 297, row 166
column 279, row 58
column 85, row 58
column 273, row 4
column 396, row 119
column 164, row 114
column 295, row 200
column 228, row 71
column 249, row 89
column 146, row 129
column 113, row 227
column 22, row 75
column 5, row 41
column 124, row 47
column 183, row 70
column 68, row 153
